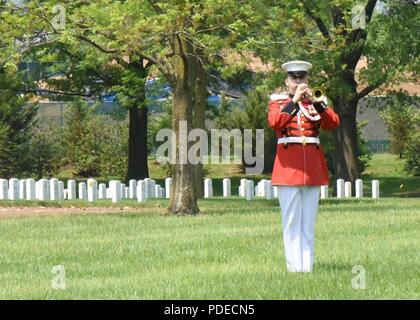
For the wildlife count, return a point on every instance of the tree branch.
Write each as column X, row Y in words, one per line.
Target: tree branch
column 339, row 19
column 318, row 21
column 369, row 9
column 96, row 45
column 369, row 89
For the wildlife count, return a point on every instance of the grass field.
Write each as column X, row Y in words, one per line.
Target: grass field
column 230, row 252
column 233, row 250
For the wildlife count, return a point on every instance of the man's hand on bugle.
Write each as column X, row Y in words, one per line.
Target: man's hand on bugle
column 302, row 90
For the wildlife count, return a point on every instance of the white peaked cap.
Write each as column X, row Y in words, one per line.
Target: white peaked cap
column 296, row 66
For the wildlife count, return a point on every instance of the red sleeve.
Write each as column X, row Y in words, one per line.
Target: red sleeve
column 329, row 119
column 276, row 118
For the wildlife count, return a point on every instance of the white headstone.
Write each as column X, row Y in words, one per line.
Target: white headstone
column 162, row 192
column 54, row 189
column 71, row 189
column 30, row 189
column 249, row 190
column 102, row 191
column 227, row 188
column 115, row 187
column 48, row 190
column 22, row 189
column 82, row 191
column 340, row 188
column 132, row 185
column 268, row 190
column 123, row 186
column 347, row 189
column 276, row 191
column 127, row 192
column 92, row 190
column 4, row 189
column 152, row 188
column 242, row 188
column 208, row 188
column 168, row 184
column 359, row 188
column 148, row 182
column 141, row 191
column 375, row 189
column 41, row 189
column 13, row 189
column 60, row 190
column 157, row 191
column 324, row 192
column 108, row 193
column 262, row 188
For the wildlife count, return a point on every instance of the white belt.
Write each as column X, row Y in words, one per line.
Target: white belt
column 302, row 140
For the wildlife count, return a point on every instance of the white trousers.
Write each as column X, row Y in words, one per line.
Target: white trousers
column 299, row 206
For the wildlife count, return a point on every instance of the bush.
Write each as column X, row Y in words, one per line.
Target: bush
column 45, row 152
column 16, row 119
column 95, row 144
column 399, row 119
column 412, row 153
column 253, row 115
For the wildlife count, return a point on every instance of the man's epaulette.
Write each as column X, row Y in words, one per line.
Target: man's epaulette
column 279, row 96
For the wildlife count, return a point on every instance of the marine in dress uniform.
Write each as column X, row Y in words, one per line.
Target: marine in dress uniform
column 300, row 167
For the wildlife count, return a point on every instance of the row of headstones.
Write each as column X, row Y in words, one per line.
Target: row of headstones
column 344, row 189
column 142, row 190
column 266, row 190
column 53, row 189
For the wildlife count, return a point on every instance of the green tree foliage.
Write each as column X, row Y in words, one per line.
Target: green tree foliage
column 45, row 152
column 94, row 144
column 16, row 119
column 252, row 115
column 400, row 118
column 412, row 153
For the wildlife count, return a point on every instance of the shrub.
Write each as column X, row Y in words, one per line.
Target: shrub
column 399, row 117
column 412, row 153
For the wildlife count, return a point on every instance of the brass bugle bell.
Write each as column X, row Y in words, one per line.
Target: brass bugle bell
column 318, row 94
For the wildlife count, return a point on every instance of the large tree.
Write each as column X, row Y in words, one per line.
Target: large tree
column 180, row 38
column 16, row 116
column 65, row 38
column 335, row 36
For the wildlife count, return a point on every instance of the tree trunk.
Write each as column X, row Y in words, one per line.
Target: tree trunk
column 345, row 139
column 199, row 121
column 183, row 197
column 137, row 144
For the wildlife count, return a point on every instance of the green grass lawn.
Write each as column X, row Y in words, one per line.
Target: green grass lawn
column 232, row 251
column 394, row 182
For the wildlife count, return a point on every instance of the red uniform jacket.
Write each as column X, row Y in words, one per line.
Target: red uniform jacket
column 298, row 164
